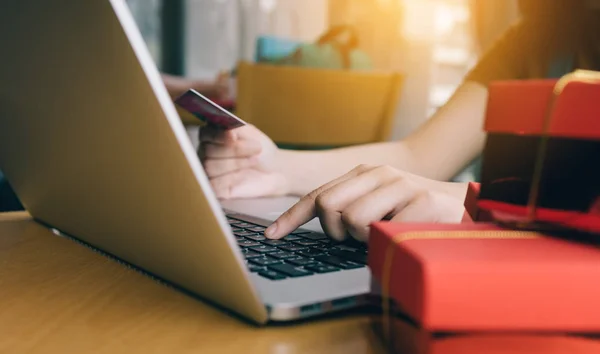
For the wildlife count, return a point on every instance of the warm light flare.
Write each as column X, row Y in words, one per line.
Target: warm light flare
column 432, row 19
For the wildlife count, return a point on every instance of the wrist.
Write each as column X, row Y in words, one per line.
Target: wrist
column 290, row 164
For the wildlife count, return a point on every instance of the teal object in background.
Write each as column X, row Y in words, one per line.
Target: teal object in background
column 270, row 48
column 338, row 48
column 328, row 56
column 281, row 51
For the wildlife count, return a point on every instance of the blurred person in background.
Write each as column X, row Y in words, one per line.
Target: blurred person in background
column 217, row 89
column 404, row 181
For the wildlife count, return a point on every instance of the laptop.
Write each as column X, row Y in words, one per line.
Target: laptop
column 93, row 146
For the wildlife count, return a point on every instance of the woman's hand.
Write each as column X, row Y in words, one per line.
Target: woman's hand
column 348, row 205
column 242, row 163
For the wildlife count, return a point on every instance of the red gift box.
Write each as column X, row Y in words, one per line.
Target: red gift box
column 480, row 278
column 472, row 210
column 520, row 116
column 520, row 107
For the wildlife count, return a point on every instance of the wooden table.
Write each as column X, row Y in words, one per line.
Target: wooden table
column 57, row 296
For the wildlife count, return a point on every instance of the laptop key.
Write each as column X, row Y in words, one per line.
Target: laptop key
column 300, row 232
column 271, row 274
column 244, row 233
column 264, row 261
column 306, row 243
column 264, row 249
column 291, row 238
column 290, row 270
column 322, row 268
column 345, row 248
column 275, row 243
column 311, row 252
column 248, row 243
column 338, row 262
column 259, row 229
column 312, row 236
column 322, row 246
column 256, row 237
column 236, row 229
column 239, row 238
column 282, row 255
column 350, row 256
column 300, row 261
column 292, row 248
column 250, row 255
column 256, row 268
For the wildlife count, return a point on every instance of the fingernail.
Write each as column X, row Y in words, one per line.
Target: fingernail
column 270, row 231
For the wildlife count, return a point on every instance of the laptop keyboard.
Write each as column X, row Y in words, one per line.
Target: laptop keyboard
column 299, row 254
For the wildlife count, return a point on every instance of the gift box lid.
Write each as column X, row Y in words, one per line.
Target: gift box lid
column 480, row 277
column 521, row 107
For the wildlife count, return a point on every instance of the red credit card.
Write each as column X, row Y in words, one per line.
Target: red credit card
column 208, row 111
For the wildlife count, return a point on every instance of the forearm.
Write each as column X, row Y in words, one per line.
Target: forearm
column 307, row 170
column 453, row 137
column 438, row 150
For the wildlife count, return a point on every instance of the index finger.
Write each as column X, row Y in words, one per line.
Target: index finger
column 299, row 214
column 305, row 210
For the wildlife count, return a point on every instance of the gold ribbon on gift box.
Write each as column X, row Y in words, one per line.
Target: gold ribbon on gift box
column 585, row 76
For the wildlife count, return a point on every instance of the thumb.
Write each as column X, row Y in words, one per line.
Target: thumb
column 247, row 132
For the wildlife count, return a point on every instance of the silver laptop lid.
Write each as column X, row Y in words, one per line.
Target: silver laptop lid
column 93, row 146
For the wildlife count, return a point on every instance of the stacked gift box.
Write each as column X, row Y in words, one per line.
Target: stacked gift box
column 521, row 274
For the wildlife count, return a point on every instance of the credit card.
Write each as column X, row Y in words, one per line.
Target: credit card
column 208, row 111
